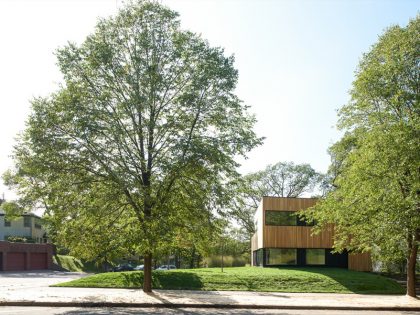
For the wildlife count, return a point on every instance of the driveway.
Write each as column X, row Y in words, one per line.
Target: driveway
column 26, row 283
column 12, row 280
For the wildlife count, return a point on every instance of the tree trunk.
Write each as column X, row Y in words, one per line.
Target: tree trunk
column 411, row 269
column 192, row 257
column 147, row 282
column 147, row 271
column 222, row 255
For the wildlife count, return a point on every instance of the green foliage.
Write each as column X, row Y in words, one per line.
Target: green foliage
column 327, row 280
column 70, row 263
column 375, row 173
column 20, row 239
column 134, row 153
column 283, row 179
column 12, row 210
column 228, row 261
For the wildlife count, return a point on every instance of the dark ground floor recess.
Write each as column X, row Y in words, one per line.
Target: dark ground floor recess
column 299, row 257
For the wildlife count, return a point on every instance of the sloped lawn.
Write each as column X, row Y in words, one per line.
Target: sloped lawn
column 327, row 280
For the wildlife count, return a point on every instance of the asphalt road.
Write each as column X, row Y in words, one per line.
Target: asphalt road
column 184, row 311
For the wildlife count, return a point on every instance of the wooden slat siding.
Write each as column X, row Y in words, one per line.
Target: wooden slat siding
column 360, row 262
column 293, row 236
column 280, row 236
column 296, row 237
column 287, row 204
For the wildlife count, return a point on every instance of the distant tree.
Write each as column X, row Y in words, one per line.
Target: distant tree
column 374, row 198
column 283, row 179
column 11, row 209
column 137, row 146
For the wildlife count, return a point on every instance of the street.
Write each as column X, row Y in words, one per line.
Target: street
column 182, row 311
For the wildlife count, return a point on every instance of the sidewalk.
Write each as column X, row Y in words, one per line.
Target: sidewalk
column 29, row 291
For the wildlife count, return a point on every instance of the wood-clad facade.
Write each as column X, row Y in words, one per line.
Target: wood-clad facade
column 283, row 239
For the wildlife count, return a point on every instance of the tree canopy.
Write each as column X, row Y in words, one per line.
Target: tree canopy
column 374, row 198
column 138, row 145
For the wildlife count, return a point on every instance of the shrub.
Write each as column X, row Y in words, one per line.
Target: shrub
column 20, row 239
column 228, row 261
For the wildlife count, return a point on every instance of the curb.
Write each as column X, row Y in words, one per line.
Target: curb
column 216, row 306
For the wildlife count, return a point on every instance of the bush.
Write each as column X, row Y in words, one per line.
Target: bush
column 228, row 261
column 20, row 239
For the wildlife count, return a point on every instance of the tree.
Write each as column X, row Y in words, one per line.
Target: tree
column 283, row 179
column 375, row 172
column 138, row 145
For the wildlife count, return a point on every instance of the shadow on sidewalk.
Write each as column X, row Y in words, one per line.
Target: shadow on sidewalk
column 168, row 311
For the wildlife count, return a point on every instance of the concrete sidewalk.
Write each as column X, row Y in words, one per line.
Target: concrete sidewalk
column 214, row 299
column 20, row 290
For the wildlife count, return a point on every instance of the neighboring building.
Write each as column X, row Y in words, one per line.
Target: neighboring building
column 282, row 239
column 24, row 256
column 28, row 225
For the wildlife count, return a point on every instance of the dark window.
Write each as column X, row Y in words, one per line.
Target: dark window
column 27, row 221
column 303, row 222
column 280, row 218
column 37, row 223
column 336, row 259
column 258, row 257
column 281, row 256
column 315, row 256
column 7, row 222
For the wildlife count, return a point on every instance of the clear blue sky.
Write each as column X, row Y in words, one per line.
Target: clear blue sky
column 296, row 61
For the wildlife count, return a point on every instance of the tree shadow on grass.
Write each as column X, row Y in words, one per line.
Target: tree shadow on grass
column 180, row 280
column 354, row 281
column 165, row 280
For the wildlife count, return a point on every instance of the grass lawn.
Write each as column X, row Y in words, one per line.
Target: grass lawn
column 332, row 280
column 73, row 264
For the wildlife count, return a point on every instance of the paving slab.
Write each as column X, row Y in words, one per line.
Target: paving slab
column 33, row 289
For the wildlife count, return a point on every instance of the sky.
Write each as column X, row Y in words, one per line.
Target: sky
column 296, row 62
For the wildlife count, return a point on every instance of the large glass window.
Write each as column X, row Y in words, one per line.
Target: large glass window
column 27, row 221
column 280, row 217
column 315, row 256
column 258, row 257
column 7, row 222
column 281, row 256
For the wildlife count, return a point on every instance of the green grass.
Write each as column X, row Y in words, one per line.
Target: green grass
column 331, row 280
column 73, row 264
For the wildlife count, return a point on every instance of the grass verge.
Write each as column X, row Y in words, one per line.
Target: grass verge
column 326, row 280
column 73, row 264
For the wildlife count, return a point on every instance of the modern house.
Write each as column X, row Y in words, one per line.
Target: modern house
column 282, row 239
column 20, row 255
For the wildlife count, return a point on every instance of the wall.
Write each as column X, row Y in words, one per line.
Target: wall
column 259, row 223
column 360, row 262
column 293, row 236
column 24, row 256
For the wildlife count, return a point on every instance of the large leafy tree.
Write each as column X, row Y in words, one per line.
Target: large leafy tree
column 137, row 146
column 374, row 197
column 283, row 179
